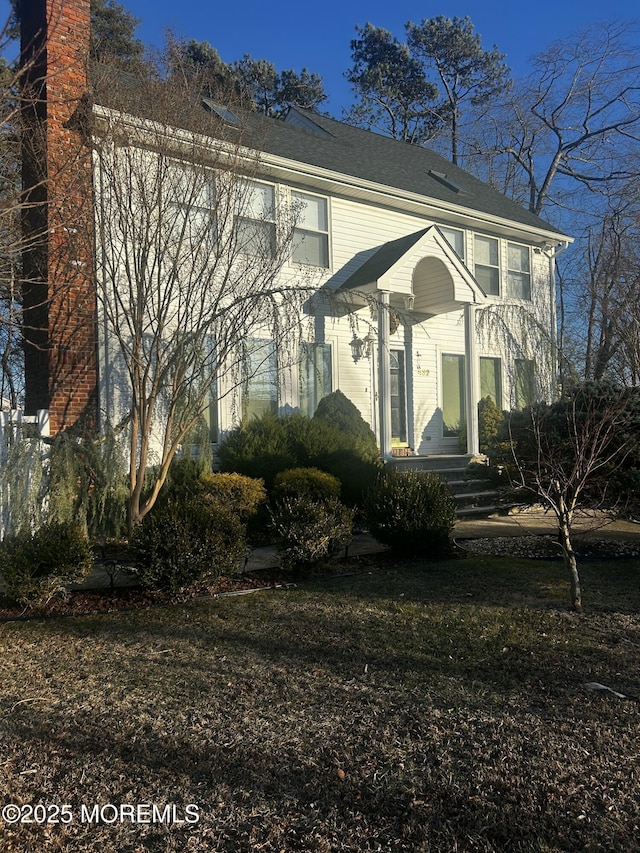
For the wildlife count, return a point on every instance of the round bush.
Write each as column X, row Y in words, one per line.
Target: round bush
column 412, row 511
column 235, row 492
column 180, row 544
column 310, row 532
column 258, row 448
column 36, row 567
column 309, row 482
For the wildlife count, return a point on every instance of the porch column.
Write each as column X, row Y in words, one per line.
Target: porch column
column 384, row 375
column 472, row 374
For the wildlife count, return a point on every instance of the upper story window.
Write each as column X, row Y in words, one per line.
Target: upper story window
column 455, row 238
column 256, row 223
column 487, row 264
column 311, row 234
column 518, row 271
column 190, row 198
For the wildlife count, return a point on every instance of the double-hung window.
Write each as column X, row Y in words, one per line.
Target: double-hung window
column 190, row 217
column 315, row 376
column 261, row 384
column 487, row 264
column 518, row 271
column 455, row 238
column 491, row 379
column 311, row 232
column 256, row 222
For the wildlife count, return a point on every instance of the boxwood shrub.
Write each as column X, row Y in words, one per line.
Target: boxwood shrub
column 179, row 544
column 309, row 532
column 411, row 511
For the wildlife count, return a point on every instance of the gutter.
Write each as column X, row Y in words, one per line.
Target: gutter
column 305, row 172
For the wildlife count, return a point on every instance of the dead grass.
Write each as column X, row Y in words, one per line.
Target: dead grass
column 408, row 707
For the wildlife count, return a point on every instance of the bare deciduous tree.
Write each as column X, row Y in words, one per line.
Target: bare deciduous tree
column 191, row 269
column 564, row 454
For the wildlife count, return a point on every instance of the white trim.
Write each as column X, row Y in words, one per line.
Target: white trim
column 332, row 181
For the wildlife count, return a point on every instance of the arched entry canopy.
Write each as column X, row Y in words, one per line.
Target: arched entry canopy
column 420, row 275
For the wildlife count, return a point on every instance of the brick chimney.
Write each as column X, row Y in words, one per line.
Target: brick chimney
column 58, row 265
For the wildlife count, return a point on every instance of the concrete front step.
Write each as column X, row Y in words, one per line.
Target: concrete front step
column 478, row 511
column 473, row 496
column 439, row 463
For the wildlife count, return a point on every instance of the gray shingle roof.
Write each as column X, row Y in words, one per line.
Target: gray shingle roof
column 325, row 143
column 363, row 154
column 381, row 261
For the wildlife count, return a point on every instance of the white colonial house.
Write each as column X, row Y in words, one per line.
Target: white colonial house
column 442, row 289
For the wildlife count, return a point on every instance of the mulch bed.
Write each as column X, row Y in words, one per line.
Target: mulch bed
column 85, row 602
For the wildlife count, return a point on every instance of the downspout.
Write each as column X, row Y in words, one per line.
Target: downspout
column 552, row 251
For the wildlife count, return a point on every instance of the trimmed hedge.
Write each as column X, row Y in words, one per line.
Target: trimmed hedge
column 338, row 442
column 411, row 511
column 309, row 482
column 234, row 492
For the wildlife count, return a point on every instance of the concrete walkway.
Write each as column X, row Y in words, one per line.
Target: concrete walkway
column 536, row 522
column 524, row 523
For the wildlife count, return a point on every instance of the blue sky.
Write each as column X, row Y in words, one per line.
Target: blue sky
column 293, row 35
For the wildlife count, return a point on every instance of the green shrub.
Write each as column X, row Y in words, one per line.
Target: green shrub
column 179, row 544
column 336, row 440
column 356, row 475
column 411, row 511
column 239, row 494
column 36, row 567
column 318, row 443
column 489, row 420
column 258, row 448
column 338, row 411
column 310, row 532
column 308, row 482
column 182, row 479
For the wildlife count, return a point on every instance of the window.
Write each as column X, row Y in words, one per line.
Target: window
column 311, row 234
column 261, row 384
column 455, row 238
column 491, row 380
column 257, row 222
column 453, row 395
column 315, row 376
column 518, row 271
column 190, row 198
column 487, row 260
column 210, row 414
column 525, row 383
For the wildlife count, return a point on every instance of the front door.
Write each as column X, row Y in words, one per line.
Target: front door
column 398, row 398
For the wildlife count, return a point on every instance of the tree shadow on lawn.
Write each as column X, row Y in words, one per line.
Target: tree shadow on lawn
column 355, row 635
column 489, row 581
column 449, row 783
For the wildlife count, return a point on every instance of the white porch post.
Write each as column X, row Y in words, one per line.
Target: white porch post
column 384, row 375
column 472, row 374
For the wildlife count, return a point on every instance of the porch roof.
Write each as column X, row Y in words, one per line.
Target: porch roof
column 422, row 265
